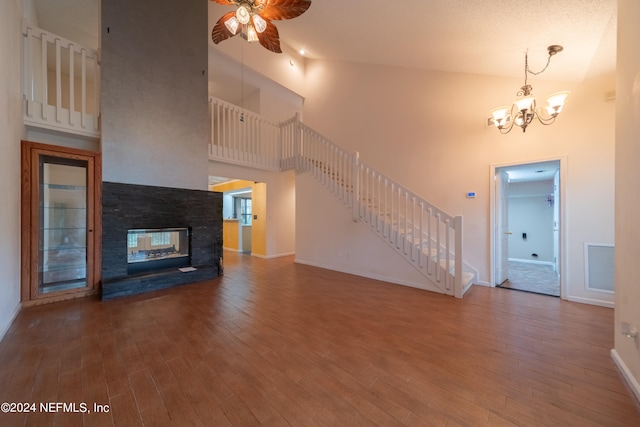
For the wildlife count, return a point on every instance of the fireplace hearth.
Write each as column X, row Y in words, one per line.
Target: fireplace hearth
column 158, row 237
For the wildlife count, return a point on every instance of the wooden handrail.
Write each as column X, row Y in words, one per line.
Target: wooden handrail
column 429, row 238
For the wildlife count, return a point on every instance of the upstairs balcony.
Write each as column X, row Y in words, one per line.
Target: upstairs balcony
column 61, row 84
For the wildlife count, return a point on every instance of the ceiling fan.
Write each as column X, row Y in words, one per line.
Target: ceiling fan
column 252, row 20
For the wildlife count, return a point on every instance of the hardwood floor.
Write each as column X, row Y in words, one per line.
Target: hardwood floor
column 277, row 343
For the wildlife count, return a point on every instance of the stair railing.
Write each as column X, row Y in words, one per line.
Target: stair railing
column 424, row 235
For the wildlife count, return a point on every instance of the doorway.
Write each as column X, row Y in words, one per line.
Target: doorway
column 243, row 213
column 527, row 227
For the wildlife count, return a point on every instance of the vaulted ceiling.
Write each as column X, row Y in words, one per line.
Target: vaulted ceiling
column 468, row 36
column 471, row 36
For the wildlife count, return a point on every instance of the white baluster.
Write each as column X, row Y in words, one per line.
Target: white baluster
column 43, row 75
column 72, row 96
column 58, row 82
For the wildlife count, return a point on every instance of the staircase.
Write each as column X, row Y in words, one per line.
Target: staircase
column 429, row 239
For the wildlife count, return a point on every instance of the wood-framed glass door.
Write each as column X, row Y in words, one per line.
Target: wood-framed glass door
column 60, row 222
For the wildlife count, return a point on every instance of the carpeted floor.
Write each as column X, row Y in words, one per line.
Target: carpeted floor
column 540, row 279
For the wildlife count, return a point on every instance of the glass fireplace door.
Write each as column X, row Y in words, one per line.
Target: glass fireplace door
column 62, row 260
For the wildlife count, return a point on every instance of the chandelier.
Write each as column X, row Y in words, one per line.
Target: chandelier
column 523, row 110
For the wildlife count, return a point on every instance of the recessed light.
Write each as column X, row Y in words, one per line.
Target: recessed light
column 302, row 52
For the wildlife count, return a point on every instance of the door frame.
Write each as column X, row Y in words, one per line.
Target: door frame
column 501, row 227
column 562, row 262
column 28, row 213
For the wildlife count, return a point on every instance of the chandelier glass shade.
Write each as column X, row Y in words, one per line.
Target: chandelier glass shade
column 523, row 110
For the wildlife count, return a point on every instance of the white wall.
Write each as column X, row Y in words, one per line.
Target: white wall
column 627, row 253
column 426, row 130
column 231, row 81
column 154, row 93
column 530, row 213
column 281, row 204
column 327, row 237
column 277, row 67
column 11, row 129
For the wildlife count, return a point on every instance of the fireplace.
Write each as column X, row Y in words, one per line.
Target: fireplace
column 157, row 249
column 158, row 237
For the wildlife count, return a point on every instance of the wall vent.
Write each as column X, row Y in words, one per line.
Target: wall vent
column 599, row 267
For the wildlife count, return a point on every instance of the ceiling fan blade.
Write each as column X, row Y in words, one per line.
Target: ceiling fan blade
column 220, row 31
column 282, row 9
column 227, row 2
column 269, row 38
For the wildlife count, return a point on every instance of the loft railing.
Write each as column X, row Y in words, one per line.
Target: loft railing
column 242, row 137
column 424, row 235
column 61, row 83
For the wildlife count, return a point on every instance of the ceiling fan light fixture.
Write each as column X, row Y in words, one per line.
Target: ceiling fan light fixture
column 259, row 23
column 243, row 13
column 232, row 25
column 252, row 19
column 252, row 35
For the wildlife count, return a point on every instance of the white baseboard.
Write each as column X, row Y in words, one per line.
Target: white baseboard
column 592, row 301
column 626, row 373
column 481, row 283
column 385, row 279
column 231, row 250
column 273, row 256
column 531, row 261
column 16, row 310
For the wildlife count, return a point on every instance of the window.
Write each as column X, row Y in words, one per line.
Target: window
column 245, row 211
column 132, row 240
column 158, row 239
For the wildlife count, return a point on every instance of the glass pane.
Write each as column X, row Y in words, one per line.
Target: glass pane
column 63, row 225
column 245, row 211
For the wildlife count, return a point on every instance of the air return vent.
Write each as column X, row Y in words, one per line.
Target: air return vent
column 599, row 267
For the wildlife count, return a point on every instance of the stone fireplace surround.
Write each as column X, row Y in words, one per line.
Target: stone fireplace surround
column 128, row 206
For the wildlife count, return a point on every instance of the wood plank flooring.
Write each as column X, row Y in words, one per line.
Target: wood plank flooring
column 280, row 344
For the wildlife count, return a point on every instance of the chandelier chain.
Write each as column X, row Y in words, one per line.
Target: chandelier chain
column 523, row 111
column 528, row 71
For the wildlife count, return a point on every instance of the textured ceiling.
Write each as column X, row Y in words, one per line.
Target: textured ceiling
column 469, row 36
column 473, row 36
column 485, row 37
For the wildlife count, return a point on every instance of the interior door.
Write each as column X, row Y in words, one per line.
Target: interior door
column 502, row 226
column 60, row 218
